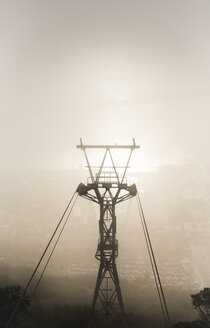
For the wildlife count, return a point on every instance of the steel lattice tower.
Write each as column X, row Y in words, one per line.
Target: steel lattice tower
column 107, row 188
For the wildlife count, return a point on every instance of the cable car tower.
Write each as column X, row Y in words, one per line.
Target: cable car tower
column 107, row 188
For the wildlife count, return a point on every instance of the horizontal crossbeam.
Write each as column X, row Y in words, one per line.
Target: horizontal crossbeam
column 107, row 167
column 108, row 146
column 133, row 146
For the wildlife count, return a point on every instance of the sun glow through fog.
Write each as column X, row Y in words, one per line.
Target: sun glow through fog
column 139, row 161
column 143, row 164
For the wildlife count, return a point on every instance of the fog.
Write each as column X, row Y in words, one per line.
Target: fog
column 176, row 205
column 106, row 71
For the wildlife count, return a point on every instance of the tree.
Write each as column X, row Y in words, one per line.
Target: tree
column 9, row 297
column 201, row 303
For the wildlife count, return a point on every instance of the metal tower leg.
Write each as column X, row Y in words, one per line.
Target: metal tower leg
column 108, row 294
column 107, row 291
column 107, row 188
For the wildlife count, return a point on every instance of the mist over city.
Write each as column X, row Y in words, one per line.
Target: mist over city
column 106, row 72
column 176, row 204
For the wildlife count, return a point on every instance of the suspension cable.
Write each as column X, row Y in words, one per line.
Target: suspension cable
column 154, row 265
column 38, row 264
column 49, row 258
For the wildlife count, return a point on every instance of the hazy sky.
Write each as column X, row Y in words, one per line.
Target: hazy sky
column 106, row 71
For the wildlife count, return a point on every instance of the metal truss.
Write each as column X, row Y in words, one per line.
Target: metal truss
column 107, row 188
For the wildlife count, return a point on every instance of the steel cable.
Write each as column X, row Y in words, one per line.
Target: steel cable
column 51, row 253
column 38, row 264
column 154, row 265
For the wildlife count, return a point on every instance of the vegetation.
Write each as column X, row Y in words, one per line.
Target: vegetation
column 66, row 316
column 9, row 297
column 201, row 303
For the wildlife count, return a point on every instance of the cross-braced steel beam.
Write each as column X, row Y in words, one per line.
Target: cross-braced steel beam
column 107, row 189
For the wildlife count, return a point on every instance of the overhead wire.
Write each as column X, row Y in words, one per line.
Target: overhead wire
column 52, row 251
column 158, row 283
column 153, row 270
column 38, row 264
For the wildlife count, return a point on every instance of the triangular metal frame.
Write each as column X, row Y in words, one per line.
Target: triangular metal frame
column 107, row 191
